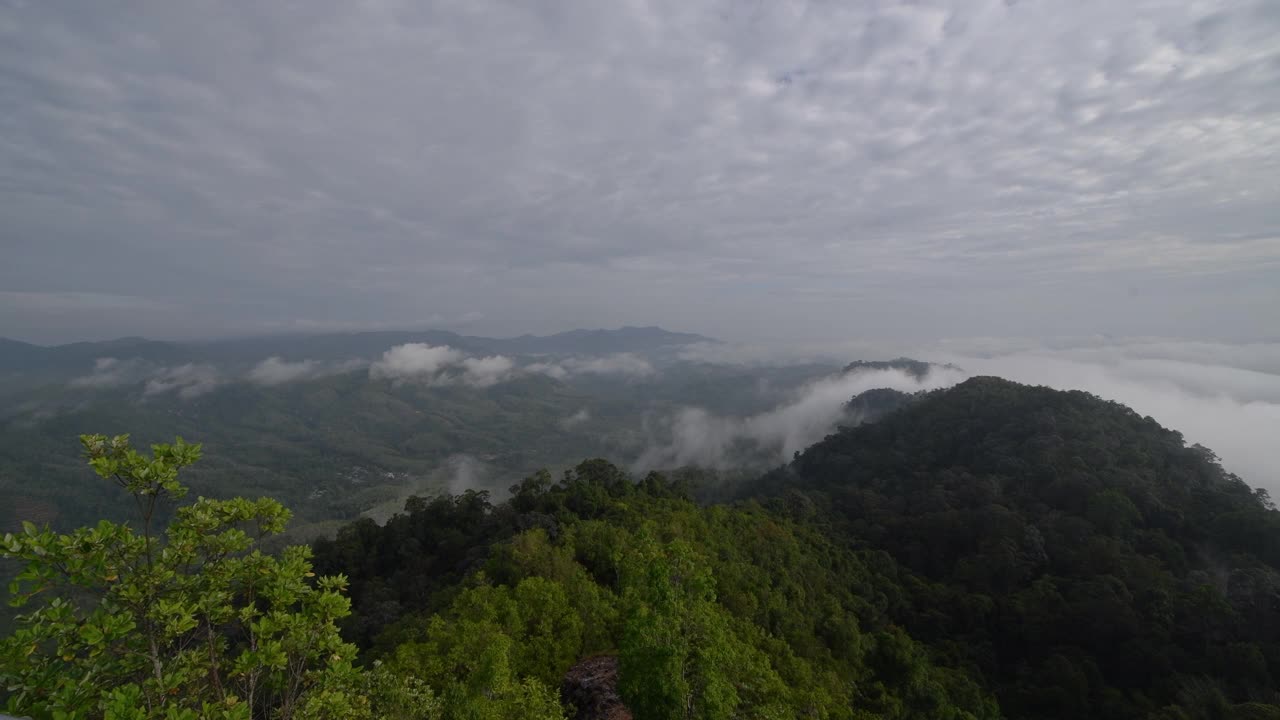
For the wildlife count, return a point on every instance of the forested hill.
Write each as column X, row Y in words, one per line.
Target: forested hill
column 1048, row 555
column 1080, row 557
column 988, row 551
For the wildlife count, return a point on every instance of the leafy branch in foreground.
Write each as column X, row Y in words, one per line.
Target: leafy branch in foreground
column 127, row 622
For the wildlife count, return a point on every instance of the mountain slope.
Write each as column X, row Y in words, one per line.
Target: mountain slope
column 1081, row 557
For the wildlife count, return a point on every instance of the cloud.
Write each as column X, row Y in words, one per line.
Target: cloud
column 111, row 372
column 623, row 364
column 441, row 365
column 698, row 437
column 576, row 419
column 1234, row 412
column 1109, row 166
column 465, row 472
column 414, row 360
column 276, row 370
column 190, row 380
column 550, row 369
column 486, row 371
column 1220, row 395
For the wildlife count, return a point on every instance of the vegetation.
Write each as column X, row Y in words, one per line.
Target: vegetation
column 988, row 551
column 1081, row 558
column 193, row 622
column 334, row 447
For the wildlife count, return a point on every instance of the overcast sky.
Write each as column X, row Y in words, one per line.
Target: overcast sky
column 756, row 170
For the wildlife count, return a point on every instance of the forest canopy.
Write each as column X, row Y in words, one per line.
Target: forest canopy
column 991, row 550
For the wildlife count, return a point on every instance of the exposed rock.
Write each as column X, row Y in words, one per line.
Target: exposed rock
column 591, row 687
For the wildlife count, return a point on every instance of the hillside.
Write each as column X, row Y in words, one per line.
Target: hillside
column 984, row 551
column 1068, row 556
column 1077, row 555
column 334, row 446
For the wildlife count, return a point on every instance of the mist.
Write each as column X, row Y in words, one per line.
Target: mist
column 189, row 381
column 576, row 419
column 111, row 372
column 1234, row 412
column 698, row 437
column 1221, row 395
column 276, row 370
column 621, row 364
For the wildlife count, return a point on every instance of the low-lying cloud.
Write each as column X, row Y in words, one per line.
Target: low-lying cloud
column 625, row 364
column 441, row 365
column 414, row 360
column 1233, row 411
column 111, row 372
column 276, row 370
column 619, row 364
column 189, row 381
column 1222, row 395
column 444, row 365
column 701, row 438
column 487, row 371
column 576, row 419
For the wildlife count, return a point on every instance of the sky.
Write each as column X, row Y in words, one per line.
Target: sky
column 756, row 171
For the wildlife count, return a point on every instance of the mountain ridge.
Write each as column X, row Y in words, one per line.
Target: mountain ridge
column 17, row 356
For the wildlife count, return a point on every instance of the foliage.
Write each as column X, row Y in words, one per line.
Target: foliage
column 714, row 612
column 1081, row 558
column 191, row 622
column 985, row 550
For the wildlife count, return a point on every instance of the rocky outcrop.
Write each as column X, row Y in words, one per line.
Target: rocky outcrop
column 591, row 687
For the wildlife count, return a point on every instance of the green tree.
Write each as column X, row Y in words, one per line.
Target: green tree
column 194, row 621
column 679, row 656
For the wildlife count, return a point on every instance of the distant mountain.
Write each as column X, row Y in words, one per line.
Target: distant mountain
column 17, row 356
column 915, row 368
column 15, row 353
column 60, row 361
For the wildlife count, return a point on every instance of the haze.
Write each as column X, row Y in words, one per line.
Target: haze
column 754, row 171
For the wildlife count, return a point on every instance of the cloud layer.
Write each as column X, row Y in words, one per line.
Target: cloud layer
column 442, row 365
column 189, row 381
column 1223, row 396
column 414, row 360
column 753, row 170
column 111, row 372
column 1234, row 412
column 700, row 438
column 620, row 364
column 277, row 370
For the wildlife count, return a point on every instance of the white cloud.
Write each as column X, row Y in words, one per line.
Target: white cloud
column 190, row 380
column 576, row 419
column 1220, row 395
column 550, row 369
column 654, row 161
column 700, row 438
column 622, row 364
column 441, row 365
column 276, row 370
column 625, row 364
column 111, row 372
column 486, row 371
column 1236, row 413
column 414, row 360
